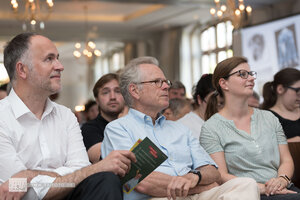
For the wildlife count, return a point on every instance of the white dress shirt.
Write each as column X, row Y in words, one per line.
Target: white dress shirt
column 53, row 143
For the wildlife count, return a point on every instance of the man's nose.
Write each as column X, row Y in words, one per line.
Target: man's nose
column 112, row 95
column 58, row 66
column 165, row 86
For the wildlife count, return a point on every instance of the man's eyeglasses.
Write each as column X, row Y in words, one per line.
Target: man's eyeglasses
column 158, row 82
column 297, row 90
column 243, row 74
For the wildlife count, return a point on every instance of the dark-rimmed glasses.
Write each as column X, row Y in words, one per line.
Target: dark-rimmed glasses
column 158, row 82
column 243, row 74
column 297, row 90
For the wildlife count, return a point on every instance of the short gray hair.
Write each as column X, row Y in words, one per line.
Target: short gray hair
column 177, row 85
column 131, row 74
column 176, row 105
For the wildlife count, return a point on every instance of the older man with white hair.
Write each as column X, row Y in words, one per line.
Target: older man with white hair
column 189, row 172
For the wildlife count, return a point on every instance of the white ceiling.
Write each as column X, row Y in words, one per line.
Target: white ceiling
column 115, row 19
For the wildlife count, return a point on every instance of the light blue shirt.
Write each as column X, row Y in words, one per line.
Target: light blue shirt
column 175, row 140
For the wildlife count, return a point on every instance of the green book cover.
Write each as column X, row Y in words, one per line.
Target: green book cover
column 149, row 157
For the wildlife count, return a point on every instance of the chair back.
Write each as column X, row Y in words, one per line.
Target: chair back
column 295, row 152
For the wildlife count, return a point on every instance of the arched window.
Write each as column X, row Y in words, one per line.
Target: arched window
column 216, row 45
column 201, row 49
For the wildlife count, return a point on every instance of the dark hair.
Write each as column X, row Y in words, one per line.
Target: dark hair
column 89, row 104
column 222, row 70
column 14, row 51
column 177, row 85
column 3, row 87
column 203, row 88
column 102, row 81
column 285, row 77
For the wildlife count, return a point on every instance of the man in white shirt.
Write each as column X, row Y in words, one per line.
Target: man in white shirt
column 41, row 140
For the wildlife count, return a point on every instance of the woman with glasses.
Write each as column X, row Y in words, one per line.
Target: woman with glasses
column 245, row 141
column 282, row 98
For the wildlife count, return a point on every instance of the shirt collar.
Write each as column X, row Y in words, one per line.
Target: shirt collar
column 146, row 118
column 49, row 107
column 19, row 108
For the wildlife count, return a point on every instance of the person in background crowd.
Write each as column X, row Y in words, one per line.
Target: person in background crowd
column 177, row 109
column 212, row 108
column 253, row 100
column 282, row 98
column 80, row 117
column 111, row 103
column 54, row 97
column 245, row 141
column 177, row 90
column 40, row 141
column 91, row 110
column 202, row 92
column 3, row 91
column 188, row 171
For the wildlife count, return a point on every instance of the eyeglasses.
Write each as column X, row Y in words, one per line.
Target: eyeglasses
column 243, row 74
column 158, row 82
column 297, row 90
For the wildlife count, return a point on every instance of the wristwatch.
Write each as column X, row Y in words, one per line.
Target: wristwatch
column 197, row 172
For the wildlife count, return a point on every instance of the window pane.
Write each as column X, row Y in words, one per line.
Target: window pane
column 3, row 74
column 116, row 61
column 204, row 41
column 185, row 61
column 222, row 56
column 211, row 38
column 212, row 63
column 229, row 53
column 205, row 64
column 98, row 69
column 229, row 27
column 195, row 57
column 221, row 35
column 105, row 66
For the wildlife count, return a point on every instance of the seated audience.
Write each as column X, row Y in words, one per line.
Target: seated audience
column 177, row 90
column 111, row 103
column 253, row 100
column 282, row 98
column 195, row 118
column 177, row 109
column 3, row 91
column 189, row 172
column 245, row 141
column 91, row 110
column 40, row 141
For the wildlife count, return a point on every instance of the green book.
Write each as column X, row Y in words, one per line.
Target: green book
column 149, row 157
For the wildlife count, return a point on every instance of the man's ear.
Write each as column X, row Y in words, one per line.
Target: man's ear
column 21, row 70
column 223, row 84
column 280, row 89
column 134, row 91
